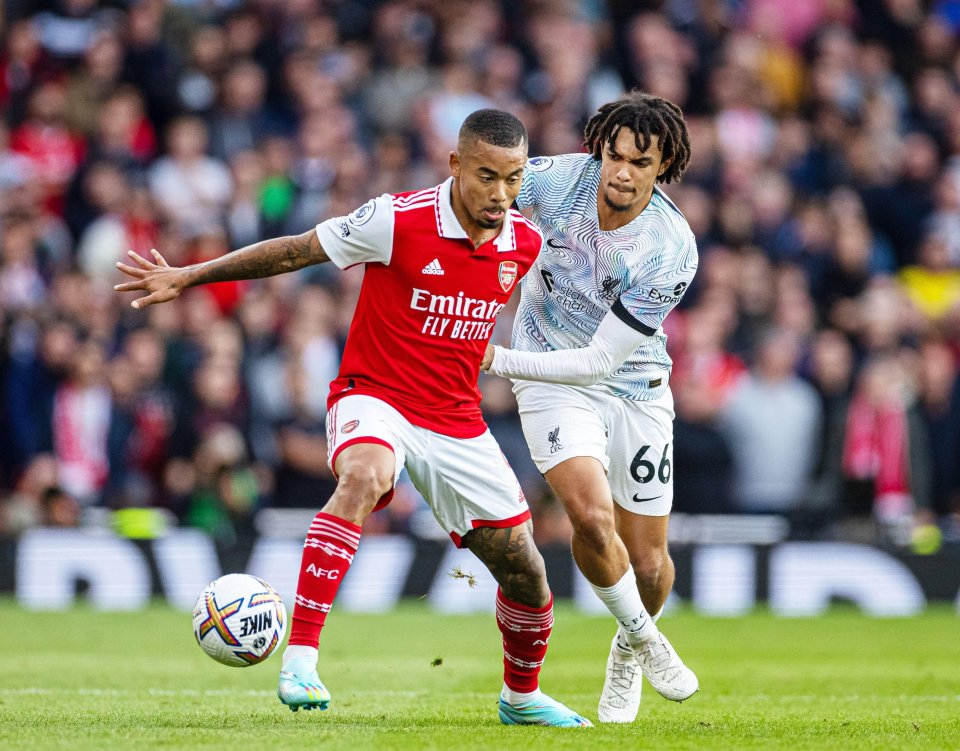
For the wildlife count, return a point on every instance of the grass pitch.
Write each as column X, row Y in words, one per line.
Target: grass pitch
column 85, row 680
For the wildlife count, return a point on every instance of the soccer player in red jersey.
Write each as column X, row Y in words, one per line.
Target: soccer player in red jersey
column 439, row 265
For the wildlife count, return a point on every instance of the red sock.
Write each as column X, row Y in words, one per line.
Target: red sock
column 526, row 632
column 327, row 554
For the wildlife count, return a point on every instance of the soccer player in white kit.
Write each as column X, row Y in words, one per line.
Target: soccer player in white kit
column 439, row 265
column 591, row 370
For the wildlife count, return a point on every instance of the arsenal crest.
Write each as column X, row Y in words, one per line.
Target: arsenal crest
column 508, row 274
column 350, row 426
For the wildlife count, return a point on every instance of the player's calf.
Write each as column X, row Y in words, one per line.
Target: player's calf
column 525, row 619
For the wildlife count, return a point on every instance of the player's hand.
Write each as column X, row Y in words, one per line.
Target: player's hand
column 160, row 280
column 487, row 360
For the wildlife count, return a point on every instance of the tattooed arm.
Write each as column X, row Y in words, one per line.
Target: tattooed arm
column 163, row 282
column 514, row 561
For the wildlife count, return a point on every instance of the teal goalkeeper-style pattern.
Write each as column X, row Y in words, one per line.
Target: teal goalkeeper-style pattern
column 644, row 268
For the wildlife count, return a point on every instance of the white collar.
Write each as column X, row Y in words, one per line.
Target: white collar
column 448, row 226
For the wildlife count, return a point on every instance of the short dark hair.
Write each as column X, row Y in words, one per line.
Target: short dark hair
column 496, row 127
column 647, row 116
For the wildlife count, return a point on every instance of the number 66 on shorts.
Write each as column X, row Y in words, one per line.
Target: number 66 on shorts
column 632, row 439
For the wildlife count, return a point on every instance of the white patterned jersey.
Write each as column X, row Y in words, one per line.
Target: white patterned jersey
column 639, row 271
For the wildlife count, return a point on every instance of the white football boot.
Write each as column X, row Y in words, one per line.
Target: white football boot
column 662, row 666
column 622, row 684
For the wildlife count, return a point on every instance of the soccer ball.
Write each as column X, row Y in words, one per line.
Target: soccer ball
column 239, row 620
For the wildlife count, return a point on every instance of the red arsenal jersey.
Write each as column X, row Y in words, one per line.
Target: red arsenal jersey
column 427, row 306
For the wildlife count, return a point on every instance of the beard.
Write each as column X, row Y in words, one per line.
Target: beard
column 488, row 223
column 615, row 206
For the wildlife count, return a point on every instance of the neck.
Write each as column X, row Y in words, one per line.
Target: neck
column 611, row 219
column 478, row 235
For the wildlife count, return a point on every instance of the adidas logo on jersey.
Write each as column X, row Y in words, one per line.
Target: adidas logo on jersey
column 434, row 268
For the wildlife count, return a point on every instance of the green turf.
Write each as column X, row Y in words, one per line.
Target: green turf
column 86, row 680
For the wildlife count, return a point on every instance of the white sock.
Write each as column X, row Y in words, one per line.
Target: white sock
column 296, row 651
column 622, row 643
column 623, row 600
column 517, row 697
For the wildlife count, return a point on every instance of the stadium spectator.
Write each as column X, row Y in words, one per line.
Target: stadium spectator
column 829, row 367
column 22, row 508
column 60, row 509
column 69, row 29
column 38, row 364
column 122, row 217
column 701, row 354
column 703, row 465
column 142, row 422
column 198, row 80
column 82, row 405
column 244, row 218
column 772, row 422
column 302, row 475
column 93, row 81
column 191, row 188
column 23, row 66
column 22, row 286
column 933, row 285
column 242, row 118
column 45, row 139
column 226, row 490
column 939, row 396
column 151, row 59
column 881, row 460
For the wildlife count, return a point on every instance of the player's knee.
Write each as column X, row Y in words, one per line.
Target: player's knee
column 531, row 568
column 518, row 567
column 528, row 587
column 594, row 526
column 650, row 568
column 363, row 483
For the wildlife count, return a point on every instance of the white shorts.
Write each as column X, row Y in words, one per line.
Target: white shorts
column 466, row 481
column 633, row 440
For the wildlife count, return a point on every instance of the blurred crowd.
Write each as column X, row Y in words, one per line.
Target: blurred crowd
column 816, row 354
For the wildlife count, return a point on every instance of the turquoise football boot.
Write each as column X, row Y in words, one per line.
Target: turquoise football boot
column 541, row 711
column 301, row 688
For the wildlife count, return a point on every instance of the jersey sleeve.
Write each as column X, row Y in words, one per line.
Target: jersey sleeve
column 646, row 303
column 533, row 178
column 612, row 343
column 364, row 236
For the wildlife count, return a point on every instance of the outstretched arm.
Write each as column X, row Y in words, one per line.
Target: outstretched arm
column 163, row 282
column 612, row 343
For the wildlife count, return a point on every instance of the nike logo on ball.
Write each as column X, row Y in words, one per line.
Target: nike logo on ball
column 641, row 500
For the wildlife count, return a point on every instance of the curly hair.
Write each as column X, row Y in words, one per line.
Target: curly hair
column 647, row 116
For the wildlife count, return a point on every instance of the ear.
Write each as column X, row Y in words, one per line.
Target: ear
column 455, row 164
column 664, row 166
